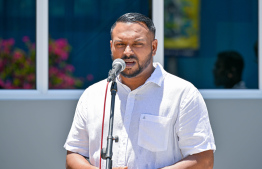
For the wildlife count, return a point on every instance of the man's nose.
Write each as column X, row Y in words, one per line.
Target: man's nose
column 128, row 51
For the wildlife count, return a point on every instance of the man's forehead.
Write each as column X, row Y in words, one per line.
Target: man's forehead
column 135, row 40
column 132, row 23
column 132, row 27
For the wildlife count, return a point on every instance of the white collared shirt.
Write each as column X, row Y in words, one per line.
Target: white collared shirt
column 158, row 124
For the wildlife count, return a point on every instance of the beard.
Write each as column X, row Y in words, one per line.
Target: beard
column 141, row 66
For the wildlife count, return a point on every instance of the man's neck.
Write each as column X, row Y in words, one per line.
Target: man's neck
column 139, row 80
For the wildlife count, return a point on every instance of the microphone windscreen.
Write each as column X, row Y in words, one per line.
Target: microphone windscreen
column 121, row 62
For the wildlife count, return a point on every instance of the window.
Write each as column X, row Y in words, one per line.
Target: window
column 17, row 44
column 52, row 25
column 212, row 44
column 79, row 36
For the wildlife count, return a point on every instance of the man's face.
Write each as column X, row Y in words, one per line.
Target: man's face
column 135, row 44
column 220, row 73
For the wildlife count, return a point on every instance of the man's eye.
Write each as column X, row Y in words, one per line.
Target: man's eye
column 120, row 44
column 138, row 44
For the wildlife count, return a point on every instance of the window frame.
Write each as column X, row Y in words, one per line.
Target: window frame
column 42, row 91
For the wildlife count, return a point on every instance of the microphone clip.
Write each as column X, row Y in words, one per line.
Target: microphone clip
column 118, row 66
column 111, row 76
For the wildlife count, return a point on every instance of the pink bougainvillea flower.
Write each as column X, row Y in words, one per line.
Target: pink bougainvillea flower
column 8, row 43
column 27, row 86
column 32, row 46
column 8, row 85
column 31, row 77
column 61, row 43
column 1, row 65
column 17, row 55
column 70, row 68
column 26, row 39
column 90, row 77
column 4, row 43
column 53, row 70
column 2, row 83
column 61, row 75
column 61, row 53
column 69, row 80
column 7, row 51
column 22, row 73
column 57, row 51
column 11, row 42
column 64, row 55
column 51, row 47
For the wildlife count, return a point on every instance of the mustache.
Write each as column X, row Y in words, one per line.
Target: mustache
column 129, row 57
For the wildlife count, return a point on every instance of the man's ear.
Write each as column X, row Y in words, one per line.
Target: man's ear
column 111, row 43
column 154, row 47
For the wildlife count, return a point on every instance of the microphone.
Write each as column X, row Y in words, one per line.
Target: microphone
column 118, row 66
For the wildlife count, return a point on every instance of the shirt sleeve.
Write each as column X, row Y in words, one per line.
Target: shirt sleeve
column 77, row 140
column 193, row 126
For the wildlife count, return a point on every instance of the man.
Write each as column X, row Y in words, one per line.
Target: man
column 228, row 70
column 160, row 119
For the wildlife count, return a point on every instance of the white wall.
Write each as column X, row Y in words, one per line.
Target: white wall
column 237, row 128
column 32, row 133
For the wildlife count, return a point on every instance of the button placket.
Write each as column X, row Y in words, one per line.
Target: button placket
column 125, row 130
column 129, row 110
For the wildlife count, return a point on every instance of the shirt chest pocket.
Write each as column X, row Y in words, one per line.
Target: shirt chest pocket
column 153, row 132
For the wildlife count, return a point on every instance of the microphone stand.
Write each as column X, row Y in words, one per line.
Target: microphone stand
column 107, row 153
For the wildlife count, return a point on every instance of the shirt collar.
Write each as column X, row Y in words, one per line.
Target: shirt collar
column 156, row 77
column 240, row 85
